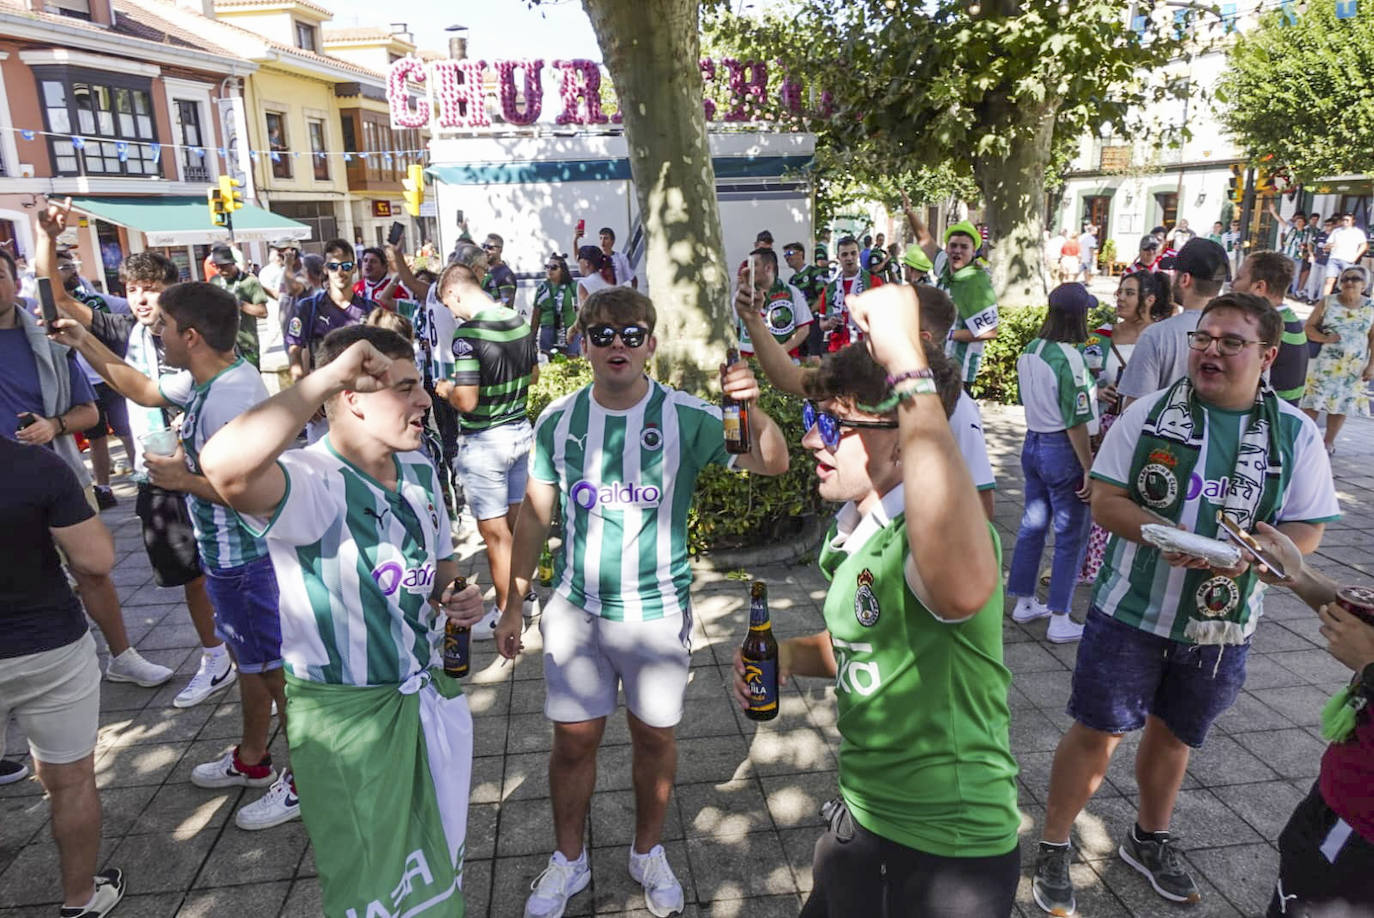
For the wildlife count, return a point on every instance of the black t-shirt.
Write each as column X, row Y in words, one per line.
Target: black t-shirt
column 38, row 491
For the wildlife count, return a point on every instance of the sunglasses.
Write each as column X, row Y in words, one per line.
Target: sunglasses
column 830, row 425
column 339, row 265
column 488, row 247
column 1352, row 279
column 602, row 335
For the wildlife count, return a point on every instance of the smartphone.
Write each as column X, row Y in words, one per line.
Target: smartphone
column 460, row 218
column 397, row 231
column 26, row 419
column 582, row 227
column 1248, row 545
column 48, row 303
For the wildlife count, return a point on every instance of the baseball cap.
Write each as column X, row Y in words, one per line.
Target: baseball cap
column 222, row 255
column 1072, row 297
column 915, row 257
column 1201, row 258
column 284, row 242
column 822, row 252
column 1149, row 242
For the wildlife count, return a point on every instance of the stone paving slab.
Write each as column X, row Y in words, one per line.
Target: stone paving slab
column 744, row 817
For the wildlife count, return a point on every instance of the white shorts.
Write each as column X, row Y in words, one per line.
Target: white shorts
column 55, row 697
column 587, row 658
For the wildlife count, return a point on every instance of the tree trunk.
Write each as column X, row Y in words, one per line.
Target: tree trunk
column 1014, row 198
column 651, row 52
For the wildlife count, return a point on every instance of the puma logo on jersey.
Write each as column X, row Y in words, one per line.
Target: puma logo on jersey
column 379, row 517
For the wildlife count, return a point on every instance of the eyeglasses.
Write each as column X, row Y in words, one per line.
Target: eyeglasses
column 1352, row 279
column 830, row 424
column 602, row 335
column 1227, row 345
column 339, row 265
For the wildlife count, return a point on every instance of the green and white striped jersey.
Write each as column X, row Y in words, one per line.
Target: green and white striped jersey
column 355, row 566
column 1057, row 389
column 224, row 541
column 496, row 351
column 1138, row 587
column 625, row 481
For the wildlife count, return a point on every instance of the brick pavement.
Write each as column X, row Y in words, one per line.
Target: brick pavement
column 744, row 816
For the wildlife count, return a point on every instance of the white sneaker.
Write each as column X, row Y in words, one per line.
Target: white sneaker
column 228, row 771
column 280, row 804
column 559, row 882
column 1028, row 609
column 485, row 630
column 109, row 889
column 1062, row 629
column 130, row 667
column 216, row 673
column 531, row 607
column 662, row 891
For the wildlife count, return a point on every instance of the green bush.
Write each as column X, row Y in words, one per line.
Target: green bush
column 731, row 509
column 1016, row 326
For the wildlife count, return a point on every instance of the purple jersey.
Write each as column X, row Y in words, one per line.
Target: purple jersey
column 317, row 315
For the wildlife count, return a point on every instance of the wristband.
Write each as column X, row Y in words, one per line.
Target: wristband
column 922, row 386
column 926, row 373
column 61, row 424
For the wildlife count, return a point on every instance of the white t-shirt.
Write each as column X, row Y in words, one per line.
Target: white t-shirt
column 624, row 274
column 1345, row 242
column 592, row 283
column 967, row 424
column 1054, row 248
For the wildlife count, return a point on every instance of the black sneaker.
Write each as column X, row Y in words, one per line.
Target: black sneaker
column 104, row 498
column 1051, row 886
column 109, row 889
column 1162, row 865
column 11, row 771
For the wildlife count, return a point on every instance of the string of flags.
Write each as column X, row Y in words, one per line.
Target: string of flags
column 384, row 158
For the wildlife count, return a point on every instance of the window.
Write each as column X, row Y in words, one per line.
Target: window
column 194, row 167
column 103, row 122
column 1229, row 17
column 317, row 150
column 305, row 36
column 76, row 9
column 277, row 145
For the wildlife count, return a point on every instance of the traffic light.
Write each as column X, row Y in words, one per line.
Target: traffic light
column 1235, row 185
column 215, row 200
column 1264, row 181
column 229, row 193
column 414, row 185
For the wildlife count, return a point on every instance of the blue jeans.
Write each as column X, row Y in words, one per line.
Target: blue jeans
column 1053, row 474
column 1295, row 289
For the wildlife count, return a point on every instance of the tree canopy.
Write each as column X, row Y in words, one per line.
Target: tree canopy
column 1299, row 91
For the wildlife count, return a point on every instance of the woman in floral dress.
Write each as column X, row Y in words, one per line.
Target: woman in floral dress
column 1336, row 377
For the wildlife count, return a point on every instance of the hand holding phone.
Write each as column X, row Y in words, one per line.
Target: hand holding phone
column 1248, row 546
column 397, row 231
column 45, row 299
column 581, row 228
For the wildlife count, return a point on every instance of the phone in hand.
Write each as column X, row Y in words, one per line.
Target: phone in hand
column 45, row 299
column 461, row 221
column 1248, row 545
column 581, row 227
column 397, row 231
column 27, row 419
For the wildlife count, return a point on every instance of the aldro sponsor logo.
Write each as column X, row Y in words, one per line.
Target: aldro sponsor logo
column 391, row 577
column 615, row 495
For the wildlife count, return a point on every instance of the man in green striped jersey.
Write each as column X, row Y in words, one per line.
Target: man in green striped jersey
column 1166, row 638
column 358, row 534
column 495, row 361
column 198, row 326
column 620, row 457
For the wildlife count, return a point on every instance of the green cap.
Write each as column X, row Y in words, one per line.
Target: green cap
column 915, row 257
column 964, row 228
column 822, row 252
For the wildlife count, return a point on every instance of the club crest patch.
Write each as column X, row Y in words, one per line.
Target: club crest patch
column 865, row 602
column 294, row 328
column 433, row 515
column 1217, row 597
column 462, row 347
column 1081, row 405
column 1157, row 485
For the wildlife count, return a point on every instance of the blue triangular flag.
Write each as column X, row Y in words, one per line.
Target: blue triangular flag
column 220, row 151
column 156, row 150
column 78, row 143
column 27, row 135
column 199, row 151
column 1347, row 9
column 348, row 157
column 122, row 151
column 253, row 155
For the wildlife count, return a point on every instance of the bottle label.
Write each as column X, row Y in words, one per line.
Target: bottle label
column 758, row 614
column 729, row 416
column 455, row 653
column 762, row 678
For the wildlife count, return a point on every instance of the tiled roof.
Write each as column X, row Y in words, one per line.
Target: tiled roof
column 130, row 21
column 240, row 4
column 359, row 33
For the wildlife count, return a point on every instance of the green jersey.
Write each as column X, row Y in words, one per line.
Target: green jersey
column 1057, row 388
column 355, row 564
column 625, row 482
column 496, row 352
column 223, row 539
column 1137, row 586
column 810, row 280
column 246, row 289
column 925, row 756
column 976, row 303
column 555, row 299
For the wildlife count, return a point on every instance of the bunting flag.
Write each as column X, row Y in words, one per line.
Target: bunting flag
column 156, row 150
column 199, row 151
column 1347, row 9
column 27, row 135
column 122, row 151
column 78, row 143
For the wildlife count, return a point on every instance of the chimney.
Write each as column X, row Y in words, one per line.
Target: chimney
column 458, row 48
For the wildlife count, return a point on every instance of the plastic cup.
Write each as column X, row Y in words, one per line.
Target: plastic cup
column 161, row 442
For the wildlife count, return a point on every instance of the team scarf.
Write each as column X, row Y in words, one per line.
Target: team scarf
column 839, row 338
column 1171, row 441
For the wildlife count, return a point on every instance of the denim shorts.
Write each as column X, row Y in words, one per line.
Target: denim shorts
column 247, row 617
column 1123, row 674
column 493, row 466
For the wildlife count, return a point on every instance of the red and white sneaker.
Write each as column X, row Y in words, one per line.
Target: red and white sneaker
column 229, row 771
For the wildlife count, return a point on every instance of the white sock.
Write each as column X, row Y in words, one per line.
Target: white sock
column 214, row 653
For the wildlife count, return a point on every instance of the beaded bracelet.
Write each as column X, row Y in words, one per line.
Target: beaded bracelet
column 927, row 373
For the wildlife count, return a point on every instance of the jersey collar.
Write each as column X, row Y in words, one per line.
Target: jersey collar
column 852, row 531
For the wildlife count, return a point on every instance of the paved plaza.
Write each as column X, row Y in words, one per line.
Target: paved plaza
column 744, row 816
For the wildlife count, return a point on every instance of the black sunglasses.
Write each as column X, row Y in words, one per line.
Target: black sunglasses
column 602, row 335
column 488, row 247
column 339, row 265
column 830, row 424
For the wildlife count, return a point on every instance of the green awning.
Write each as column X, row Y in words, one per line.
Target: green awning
column 173, row 220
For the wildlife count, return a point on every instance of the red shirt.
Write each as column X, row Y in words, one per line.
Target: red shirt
column 368, row 289
column 1347, row 777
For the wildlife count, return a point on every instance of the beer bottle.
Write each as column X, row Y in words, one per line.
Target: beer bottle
column 457, row 639
column 760, row 653
column 545, row 571
column 735, row 415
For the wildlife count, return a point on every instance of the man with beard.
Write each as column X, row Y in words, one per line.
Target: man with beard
column 249, row 293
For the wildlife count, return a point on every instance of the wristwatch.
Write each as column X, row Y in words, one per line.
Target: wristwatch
column 1364, row 682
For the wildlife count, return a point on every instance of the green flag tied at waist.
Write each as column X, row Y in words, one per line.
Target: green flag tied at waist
column 383, row 774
